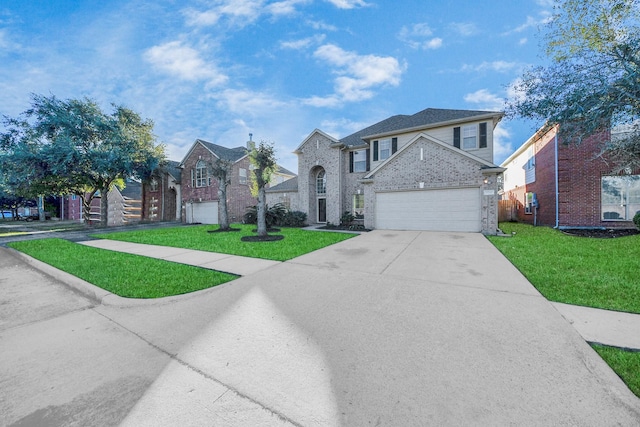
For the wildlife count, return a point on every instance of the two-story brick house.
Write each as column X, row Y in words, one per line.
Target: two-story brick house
column 199, row 190
column 432, row 170
column 569, row 186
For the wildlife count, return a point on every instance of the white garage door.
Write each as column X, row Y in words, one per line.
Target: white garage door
column 435, row 210
column 205, row 213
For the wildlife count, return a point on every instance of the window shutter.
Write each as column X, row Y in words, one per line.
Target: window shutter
column 375, row 151
column 368, row 158
column 483, row 135
column 350, row 161
column 456, row 136
column 394, row 145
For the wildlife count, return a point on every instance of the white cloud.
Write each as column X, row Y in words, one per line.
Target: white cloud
column 523, row 41
column 348, row 4
column 485, row 100
column 531, row 22
column 358, row 74
column 434, row 43
column 498, row 66
column 502, row 146
column 319, row 25
column 416, row 36
column 464, row 28
column 240, row 12
column 247, row 102
column 184, row 62
column 303, row 43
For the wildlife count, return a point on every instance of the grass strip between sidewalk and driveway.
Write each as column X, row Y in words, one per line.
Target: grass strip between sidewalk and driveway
column 126, row 275
column 296, row 241
column 625, row 363
column 591, row 272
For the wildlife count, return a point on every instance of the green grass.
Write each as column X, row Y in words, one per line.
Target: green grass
column 601, row 273
column 123, row 274
column 296, row 241
column 625, row 363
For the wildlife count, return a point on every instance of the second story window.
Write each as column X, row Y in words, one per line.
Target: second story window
column 469, row 137
column 201, row 174
column 359, row 161
column 242, row 173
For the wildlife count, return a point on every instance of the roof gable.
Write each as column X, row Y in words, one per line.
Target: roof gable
column 224, row 153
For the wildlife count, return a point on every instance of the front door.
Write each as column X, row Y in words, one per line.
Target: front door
column 322, row 210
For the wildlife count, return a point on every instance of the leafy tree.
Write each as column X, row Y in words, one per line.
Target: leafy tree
column 263, row 160
column 72, row 147
column 221, row 169
column 592, row 83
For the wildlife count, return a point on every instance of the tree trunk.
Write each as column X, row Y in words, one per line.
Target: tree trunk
column 262, row 220
column 86, row 208
column 104, row 207
column 222, row 200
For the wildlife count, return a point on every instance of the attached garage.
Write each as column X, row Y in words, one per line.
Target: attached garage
column 204, row 212
column 434, row 210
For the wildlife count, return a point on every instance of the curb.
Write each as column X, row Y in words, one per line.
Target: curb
column 96, row 294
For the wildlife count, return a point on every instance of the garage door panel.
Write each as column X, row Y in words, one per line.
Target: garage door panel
column 205, row 213
column 437, row 210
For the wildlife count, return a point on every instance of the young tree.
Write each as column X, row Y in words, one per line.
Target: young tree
column 221, row 170
column 592, row 84
column 263, row 160
column 72, row 147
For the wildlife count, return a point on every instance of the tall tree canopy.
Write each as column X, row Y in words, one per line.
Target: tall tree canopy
column 592, row 84
column 73, row 147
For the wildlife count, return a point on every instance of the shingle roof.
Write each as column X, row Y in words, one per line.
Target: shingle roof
column 231, row 154
column 174, row 169
column 288, row 185
column 425, row 118
column 285, row 171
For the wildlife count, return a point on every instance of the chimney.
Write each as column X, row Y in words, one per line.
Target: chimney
column 250, row 144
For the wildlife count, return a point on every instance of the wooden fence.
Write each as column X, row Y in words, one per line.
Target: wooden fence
column 507, row 210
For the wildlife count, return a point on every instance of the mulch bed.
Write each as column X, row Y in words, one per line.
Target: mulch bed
column 601, row 234
column 226, row 230
column 268, row 238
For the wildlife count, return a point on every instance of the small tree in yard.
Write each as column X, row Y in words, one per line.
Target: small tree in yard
column 221, row 169
column 263, row 161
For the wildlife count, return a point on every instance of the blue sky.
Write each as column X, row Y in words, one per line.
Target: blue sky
column 221, row 69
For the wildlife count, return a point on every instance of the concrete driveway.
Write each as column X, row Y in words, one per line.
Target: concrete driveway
column 389, row 328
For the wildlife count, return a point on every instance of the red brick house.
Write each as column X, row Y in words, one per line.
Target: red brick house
column 200, row 190
column 569, row 186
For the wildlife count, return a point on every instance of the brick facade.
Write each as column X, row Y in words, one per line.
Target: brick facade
column 580, row 172
column 239, row 196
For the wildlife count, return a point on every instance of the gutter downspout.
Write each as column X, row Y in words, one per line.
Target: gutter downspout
column 556, row 179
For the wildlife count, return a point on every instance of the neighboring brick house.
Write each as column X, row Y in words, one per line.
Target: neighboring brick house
column 162, row 194
column 573, row 188
column 200, row 189
column 432, row 170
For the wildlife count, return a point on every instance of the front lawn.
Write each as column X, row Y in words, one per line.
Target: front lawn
column 127, row 275
column 296, row 241
column 601, row 273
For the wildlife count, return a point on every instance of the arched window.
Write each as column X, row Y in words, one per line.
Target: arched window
column 321, row 182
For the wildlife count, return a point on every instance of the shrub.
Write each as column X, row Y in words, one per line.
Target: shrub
column 347, row 218
column 294, row 219
column 274, row 215
column 636, row 220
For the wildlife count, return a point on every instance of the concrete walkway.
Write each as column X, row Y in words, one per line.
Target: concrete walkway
column 233, row 264
column 388, row 328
